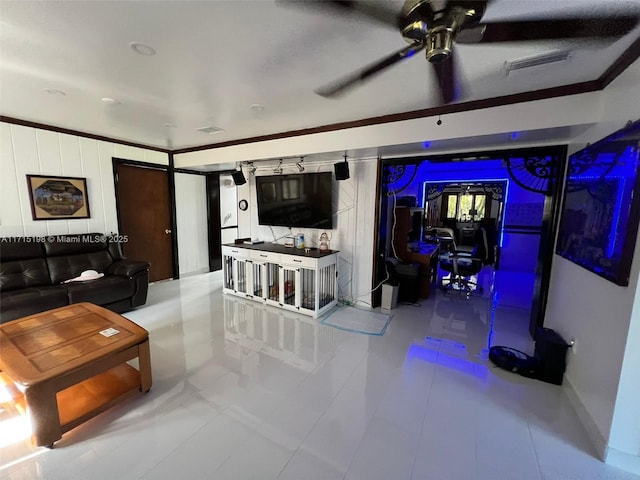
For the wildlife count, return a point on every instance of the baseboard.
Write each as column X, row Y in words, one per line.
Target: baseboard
column 623, row 460
column 195, row 272
column 596, row 438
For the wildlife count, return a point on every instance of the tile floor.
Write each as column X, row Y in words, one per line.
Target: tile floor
column 242, row 391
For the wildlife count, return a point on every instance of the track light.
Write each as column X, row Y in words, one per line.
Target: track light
column 278, row 169
column 300, row 164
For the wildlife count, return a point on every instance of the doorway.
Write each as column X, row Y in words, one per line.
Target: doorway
column 144, row 215
column 534, row 176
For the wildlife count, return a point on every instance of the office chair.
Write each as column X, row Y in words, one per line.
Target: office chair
column 463, row 265
column 446, row 239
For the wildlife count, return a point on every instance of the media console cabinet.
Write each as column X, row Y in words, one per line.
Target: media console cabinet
column 289, row 278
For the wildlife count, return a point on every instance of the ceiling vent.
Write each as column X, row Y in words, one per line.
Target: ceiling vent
column 528, row 62
column 211, row 130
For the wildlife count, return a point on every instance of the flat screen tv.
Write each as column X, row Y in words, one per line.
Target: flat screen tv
column 601, row 207
column 297, row 200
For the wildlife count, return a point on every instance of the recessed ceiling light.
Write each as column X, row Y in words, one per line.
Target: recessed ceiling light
column 53, row 91
column 256, row 107
column 142, row 49
column 211, row 130
column 110, row 101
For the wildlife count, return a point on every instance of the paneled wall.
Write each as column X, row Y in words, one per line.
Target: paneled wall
column 27, row 150
column 191, row 219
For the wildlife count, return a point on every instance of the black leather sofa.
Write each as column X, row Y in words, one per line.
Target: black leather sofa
column 32, row 272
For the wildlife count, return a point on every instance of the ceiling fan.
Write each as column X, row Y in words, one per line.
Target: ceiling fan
column 436, row 25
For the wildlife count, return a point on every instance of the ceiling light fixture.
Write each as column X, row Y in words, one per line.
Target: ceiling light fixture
column 256, row 108
column 300, row 164
column 142, row 49
column 110, row 101
column 211, row 130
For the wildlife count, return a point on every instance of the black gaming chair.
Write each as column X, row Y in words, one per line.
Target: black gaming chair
column 463, row 265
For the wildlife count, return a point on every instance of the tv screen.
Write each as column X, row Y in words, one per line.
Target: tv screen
column 295, row 200
column 601, row 207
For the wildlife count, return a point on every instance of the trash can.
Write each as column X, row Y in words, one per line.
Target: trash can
column 389, row 296
column 551, row 353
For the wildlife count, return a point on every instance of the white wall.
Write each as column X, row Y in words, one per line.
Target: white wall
column 598, row 314
column 191, row 220
column 27, row 150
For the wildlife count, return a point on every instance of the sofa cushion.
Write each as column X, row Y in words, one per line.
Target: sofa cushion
column 67, row 267
column 19, row 249
column 104, row 290
column 23, row 273
column 27, row 301
column 75, row 244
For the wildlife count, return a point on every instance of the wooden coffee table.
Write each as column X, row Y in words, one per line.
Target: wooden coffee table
column 71, row 365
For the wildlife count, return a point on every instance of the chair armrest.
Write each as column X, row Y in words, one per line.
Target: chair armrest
column 127, row 268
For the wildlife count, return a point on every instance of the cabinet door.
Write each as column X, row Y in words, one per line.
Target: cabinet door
column 289, row 294
column 242, row 276
column 258, row 280
column 308, row 290
column 272, row 282
column 227, row 267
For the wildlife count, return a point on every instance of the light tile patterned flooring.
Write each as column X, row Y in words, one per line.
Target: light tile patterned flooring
column 242, row 391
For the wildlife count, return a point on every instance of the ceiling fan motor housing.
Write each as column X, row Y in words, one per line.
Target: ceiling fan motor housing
column 439, row 43
column 436, row 30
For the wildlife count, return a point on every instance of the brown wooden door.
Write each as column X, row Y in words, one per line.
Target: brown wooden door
column 144, row 217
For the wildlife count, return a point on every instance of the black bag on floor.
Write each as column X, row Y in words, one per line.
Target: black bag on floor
column 514, row 360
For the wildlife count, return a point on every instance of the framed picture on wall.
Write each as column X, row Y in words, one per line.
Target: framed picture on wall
column 58, row 198
column 601, row 208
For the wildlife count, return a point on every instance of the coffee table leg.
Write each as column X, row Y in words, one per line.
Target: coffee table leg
column 42, row 406
column 144, row 362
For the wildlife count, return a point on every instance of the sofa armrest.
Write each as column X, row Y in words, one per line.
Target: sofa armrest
column 127, row 268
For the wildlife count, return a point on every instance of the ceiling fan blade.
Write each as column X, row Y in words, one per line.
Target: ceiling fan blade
column 377, row 11
column 548, row 29
column 448, row 78
column 341, row 86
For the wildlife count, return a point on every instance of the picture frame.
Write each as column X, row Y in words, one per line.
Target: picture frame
column 601, row 207
column 58, row 198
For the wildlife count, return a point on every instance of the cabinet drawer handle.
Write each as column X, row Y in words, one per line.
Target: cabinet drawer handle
column 296, row 260
column 264, row 256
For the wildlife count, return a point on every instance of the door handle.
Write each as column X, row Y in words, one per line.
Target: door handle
column 167, row 231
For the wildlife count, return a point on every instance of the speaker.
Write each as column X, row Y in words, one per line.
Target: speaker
column 342, row 170
column 551, row 354
column 238, row 178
